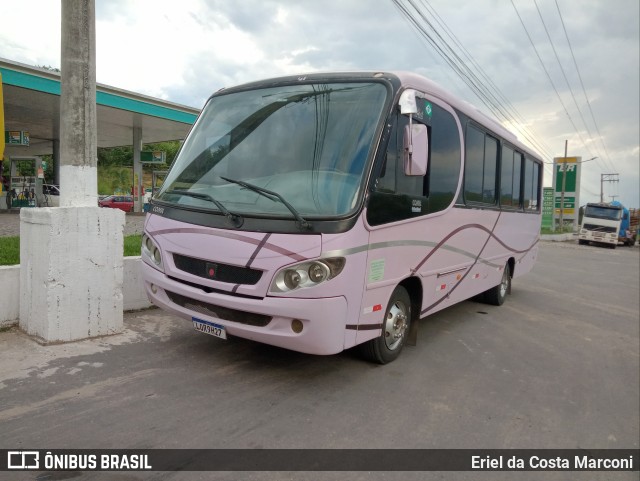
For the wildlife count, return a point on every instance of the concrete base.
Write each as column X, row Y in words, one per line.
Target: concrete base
column 558, row 237
column 71, row 269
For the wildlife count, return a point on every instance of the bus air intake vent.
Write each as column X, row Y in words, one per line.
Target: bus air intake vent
column 223, row 313
column 217, row 271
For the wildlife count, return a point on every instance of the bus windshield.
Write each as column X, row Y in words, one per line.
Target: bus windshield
column 307, row 143
column 600, row 212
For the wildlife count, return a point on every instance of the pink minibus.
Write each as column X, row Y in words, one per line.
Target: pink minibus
column 324, row 211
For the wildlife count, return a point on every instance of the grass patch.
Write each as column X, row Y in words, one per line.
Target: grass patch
column 547, row 231
column 9, row 251
column 10, row 248
column 132, row 245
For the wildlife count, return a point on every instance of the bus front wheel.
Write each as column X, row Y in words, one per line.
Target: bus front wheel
column 395, row 328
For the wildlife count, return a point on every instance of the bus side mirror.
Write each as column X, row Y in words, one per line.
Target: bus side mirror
column 416, row 149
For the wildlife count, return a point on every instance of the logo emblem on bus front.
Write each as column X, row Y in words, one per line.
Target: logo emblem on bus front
column 211, row 270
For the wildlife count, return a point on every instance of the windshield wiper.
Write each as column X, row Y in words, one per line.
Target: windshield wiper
column 269, row 194
column 234, row 219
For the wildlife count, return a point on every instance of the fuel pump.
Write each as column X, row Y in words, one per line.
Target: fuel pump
column 25, row 184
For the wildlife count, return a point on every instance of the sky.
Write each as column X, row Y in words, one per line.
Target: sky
column 183, row 51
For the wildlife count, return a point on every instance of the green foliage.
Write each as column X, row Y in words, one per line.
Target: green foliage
column 25, row 168
column 47, row 161
column 49, row 67
column 9, row 251
column 115, row 166
column 114, row 180
column 568, row 229
column 171, row 148
column 10, row 248
column 132, row 245
column 115, row 156
column 123, row 156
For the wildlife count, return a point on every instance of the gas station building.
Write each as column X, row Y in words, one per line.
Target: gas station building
column 32, row 124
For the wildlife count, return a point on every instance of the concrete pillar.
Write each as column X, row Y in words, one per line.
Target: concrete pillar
column 71, row 260
column 56, row 160
column 137, row 167
column 78, row 136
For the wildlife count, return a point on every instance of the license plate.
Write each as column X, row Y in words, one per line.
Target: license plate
column 210, row 328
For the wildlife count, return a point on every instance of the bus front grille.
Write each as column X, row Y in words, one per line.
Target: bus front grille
column 219, row 312
column 217, row 271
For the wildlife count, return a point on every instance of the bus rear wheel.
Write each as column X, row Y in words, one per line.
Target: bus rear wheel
column 496, row 295
column 395, row 328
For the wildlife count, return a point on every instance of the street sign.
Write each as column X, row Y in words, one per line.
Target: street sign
column 569, row 167
column 569, row 202
column 16, row 137
column 566, row 177
column 155, row 157
column 547, row 208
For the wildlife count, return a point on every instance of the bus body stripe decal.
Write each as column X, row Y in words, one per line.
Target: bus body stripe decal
column 260, row 246
column 231, row 235
column 363, row 327
column 253, row 257
column 424, row 311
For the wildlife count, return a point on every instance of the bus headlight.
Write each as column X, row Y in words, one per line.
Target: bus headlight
column 291, row 279
column 318, row 272
column 151, row 253
column 307, row 274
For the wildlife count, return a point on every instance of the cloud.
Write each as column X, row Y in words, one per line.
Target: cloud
column 185, row 51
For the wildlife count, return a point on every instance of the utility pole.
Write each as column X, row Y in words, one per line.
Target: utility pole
column 71, row 264
column 606, row 178
column 564, row 185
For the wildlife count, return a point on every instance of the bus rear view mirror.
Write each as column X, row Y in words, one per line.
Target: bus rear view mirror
column 416, row 149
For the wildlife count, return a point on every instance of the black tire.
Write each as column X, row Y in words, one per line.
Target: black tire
column 397, row 318
column 496, row 295
column 582, row 242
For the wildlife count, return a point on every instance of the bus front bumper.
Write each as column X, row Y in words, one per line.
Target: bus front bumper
column 322, row 321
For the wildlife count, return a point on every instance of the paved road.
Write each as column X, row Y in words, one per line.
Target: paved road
column 10, row 224
column 555, row 367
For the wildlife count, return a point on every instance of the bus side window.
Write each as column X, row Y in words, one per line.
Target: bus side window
column 531, row 185
column 506, row 177
column 386, row 181
column 443, row 172
column 517, row 180
column 398, row 196
column 480, row 169
column 510, row 178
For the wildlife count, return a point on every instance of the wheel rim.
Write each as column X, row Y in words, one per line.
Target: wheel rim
column 395, row 326
column 504, row 285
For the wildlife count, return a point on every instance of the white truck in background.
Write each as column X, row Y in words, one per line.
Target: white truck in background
column 609, row 224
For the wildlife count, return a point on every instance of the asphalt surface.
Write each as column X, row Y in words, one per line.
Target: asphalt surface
column 555, row 367
column 10, row 223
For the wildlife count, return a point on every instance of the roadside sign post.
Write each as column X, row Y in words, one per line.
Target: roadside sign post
column 547, row 208
column 566, row 185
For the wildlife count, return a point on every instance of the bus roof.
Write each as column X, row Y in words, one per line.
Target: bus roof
column 418, row 82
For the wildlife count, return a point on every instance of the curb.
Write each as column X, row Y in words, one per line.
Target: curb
column 558, row 237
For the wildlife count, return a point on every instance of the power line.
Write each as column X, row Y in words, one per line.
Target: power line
column 453, row 59
column 566, row 80
column 546, row 71
column 520, row 124
column 583, row 89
